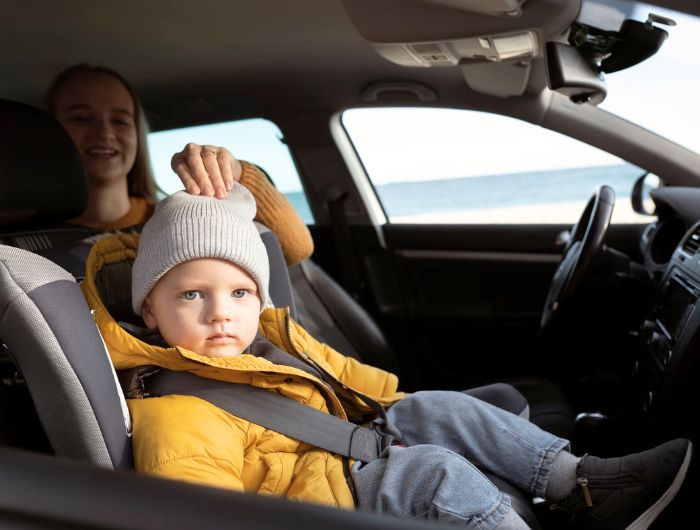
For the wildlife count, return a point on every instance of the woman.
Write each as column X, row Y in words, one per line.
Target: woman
column 104, row 117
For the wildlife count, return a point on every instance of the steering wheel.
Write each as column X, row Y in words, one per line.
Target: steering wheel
column 585, row 243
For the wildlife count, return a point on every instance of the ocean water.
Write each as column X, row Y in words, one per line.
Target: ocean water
column 495, row 191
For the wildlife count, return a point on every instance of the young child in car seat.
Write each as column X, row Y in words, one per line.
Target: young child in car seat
column 200, row 279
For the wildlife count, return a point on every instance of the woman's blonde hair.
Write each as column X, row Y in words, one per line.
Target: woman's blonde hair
column 140, row 178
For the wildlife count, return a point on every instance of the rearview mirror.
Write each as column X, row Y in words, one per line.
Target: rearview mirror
column 570, row 73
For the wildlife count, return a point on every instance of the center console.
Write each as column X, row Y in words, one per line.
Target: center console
column 671, row 331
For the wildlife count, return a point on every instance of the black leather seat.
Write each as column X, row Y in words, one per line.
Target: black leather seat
column 42, row 184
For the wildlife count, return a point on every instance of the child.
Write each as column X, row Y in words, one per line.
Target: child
column 201, row 279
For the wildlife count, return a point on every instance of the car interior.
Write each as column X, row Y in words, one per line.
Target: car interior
column 592, row 321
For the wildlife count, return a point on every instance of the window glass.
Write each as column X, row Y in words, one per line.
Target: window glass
column 258, row 141
column 456, row 166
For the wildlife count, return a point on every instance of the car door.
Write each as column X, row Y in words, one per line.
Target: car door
column 477, row 210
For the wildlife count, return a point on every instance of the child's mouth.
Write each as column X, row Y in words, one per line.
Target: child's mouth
column 221, row 338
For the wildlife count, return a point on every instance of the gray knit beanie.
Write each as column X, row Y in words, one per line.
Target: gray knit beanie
column 185, row 227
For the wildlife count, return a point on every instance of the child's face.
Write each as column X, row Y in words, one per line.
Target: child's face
column 208, row 306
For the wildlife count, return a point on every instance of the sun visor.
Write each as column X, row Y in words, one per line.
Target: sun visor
column 492, row 42
column 485, row 48
column 498, row 65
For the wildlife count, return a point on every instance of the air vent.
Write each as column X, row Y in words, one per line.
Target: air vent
column 692, row 243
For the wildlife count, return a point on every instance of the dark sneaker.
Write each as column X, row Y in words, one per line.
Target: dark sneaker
column 627, row 492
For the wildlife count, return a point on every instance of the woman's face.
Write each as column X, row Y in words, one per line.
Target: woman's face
column 98, row 112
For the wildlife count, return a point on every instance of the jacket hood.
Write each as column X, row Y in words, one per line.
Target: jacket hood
column 107, row 284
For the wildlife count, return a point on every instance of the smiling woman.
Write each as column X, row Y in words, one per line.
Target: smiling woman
column 104, row 119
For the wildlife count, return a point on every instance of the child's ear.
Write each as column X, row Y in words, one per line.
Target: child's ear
column 147, row 314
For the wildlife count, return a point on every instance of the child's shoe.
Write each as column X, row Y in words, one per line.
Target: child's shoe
column 628, row 492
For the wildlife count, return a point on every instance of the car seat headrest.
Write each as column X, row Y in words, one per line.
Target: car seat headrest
column 42, row 180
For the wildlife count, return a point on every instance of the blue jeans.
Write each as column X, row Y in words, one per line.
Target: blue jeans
column 435, row 477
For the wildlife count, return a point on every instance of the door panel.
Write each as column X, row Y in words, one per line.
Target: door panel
column 472, row 296
column 455, row 283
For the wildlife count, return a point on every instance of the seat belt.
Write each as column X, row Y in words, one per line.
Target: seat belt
column 344, row 246
column 278, row 413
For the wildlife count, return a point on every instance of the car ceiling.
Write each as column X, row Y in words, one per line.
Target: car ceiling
column 194, row 62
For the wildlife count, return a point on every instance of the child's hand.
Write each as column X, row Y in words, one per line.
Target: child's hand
column 206, row 169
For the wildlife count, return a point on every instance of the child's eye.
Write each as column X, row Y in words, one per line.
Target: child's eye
column 239, row 293
column 191, row 295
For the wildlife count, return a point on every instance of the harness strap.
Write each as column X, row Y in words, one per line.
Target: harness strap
column 278, row 413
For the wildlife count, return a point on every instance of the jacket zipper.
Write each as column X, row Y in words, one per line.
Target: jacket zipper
column 305, row 357
column 348, row 479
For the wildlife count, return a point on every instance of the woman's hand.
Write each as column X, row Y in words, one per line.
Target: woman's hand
column 206, row 169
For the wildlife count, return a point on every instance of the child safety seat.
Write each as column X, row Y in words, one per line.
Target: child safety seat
column 50, row 335
column 46, row 328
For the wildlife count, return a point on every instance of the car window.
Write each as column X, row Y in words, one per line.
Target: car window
column 256, row 140
column 457, row 166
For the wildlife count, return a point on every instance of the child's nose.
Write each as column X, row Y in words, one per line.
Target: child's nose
column 219, row 310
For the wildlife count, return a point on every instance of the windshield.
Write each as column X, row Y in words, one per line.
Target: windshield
column 660, row 94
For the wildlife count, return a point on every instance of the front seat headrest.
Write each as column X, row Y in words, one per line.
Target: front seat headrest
column 42, row 180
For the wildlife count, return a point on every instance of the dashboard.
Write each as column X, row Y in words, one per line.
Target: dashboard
column 670, row 332
column 678, row 209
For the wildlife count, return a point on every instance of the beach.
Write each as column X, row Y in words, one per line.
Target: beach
column 552, row 213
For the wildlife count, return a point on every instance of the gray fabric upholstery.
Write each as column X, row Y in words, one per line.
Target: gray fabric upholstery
column 313, row 315
column 28, row 272
column 47, row 326
column 280, row 283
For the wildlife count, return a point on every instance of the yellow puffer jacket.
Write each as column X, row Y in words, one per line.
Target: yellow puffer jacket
column 186, row 438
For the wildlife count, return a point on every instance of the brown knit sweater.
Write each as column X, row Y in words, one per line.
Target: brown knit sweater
column 277, row 213
column 140, row 211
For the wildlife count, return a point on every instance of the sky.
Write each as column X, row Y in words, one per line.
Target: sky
column 659, row 94
column 255, row 140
